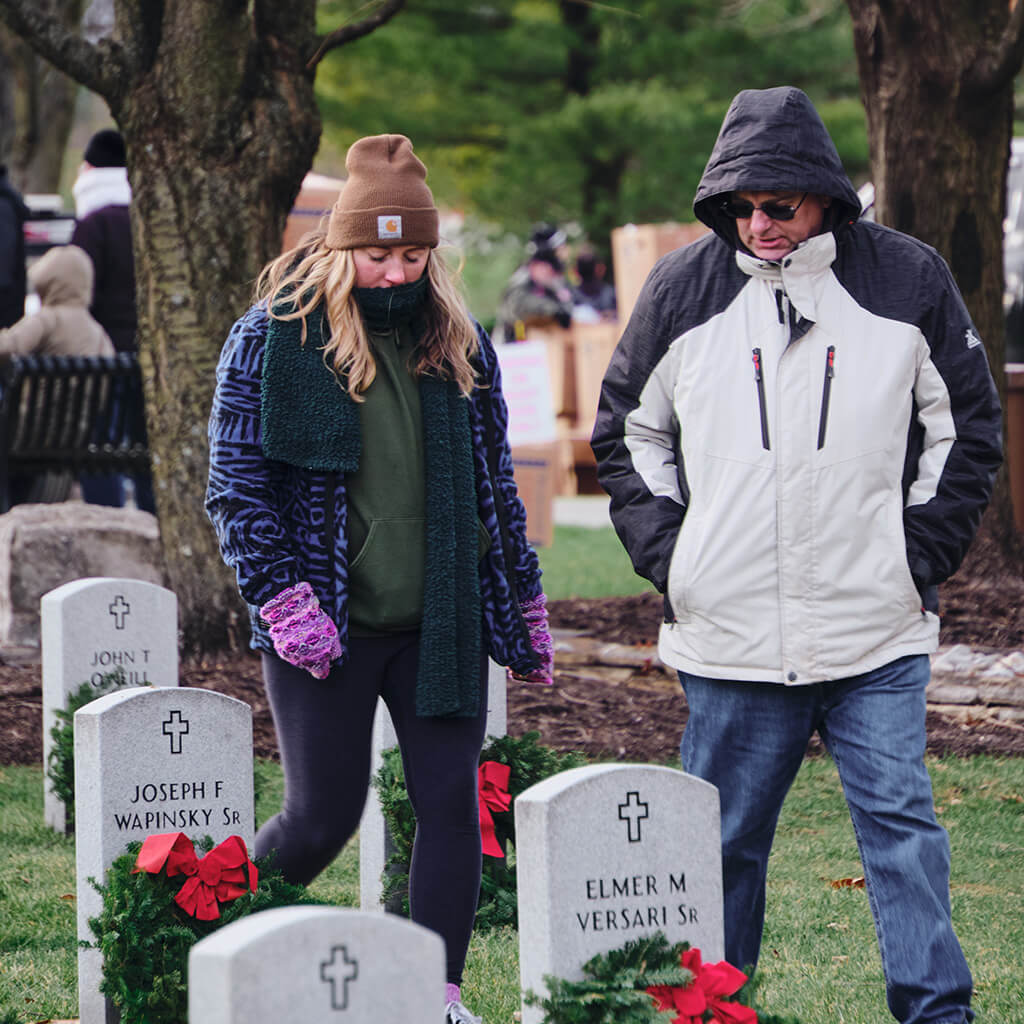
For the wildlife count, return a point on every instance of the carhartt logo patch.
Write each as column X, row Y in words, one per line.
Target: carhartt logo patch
column 973, row 341
column 389, row 226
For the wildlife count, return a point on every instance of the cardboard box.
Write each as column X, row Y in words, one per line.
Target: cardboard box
column 536, row 470
column 315, row 198
column 593, row 345
column 635, row 250
column 559, row 345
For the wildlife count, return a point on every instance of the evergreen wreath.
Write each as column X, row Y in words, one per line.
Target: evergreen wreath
column 530, row 762
column 60, row 764
column 145, row 937
column 615, row 989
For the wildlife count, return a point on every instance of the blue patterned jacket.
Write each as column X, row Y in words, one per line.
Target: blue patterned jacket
column 279, row 524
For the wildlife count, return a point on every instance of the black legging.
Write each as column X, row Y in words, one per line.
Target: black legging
column 324, row 734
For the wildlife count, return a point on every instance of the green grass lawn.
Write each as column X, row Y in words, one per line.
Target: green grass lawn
column 588, row 562
column 819, row 959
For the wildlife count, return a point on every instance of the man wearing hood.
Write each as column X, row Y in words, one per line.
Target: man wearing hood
column 799, row 434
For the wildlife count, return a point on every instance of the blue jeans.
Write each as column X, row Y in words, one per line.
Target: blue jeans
column 749, row 739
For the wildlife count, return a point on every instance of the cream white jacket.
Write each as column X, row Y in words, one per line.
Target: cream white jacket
column 798, row 467
column 797, row 452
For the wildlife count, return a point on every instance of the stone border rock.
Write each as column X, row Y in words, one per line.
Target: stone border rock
column 967, row 684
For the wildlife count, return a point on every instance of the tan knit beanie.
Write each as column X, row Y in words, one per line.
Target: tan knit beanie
column 385, row 200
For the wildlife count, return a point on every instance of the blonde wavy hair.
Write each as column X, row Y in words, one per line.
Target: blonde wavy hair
column 296, row 284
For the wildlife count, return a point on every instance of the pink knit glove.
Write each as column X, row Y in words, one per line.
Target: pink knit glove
column 536, row 616
column 303, row 634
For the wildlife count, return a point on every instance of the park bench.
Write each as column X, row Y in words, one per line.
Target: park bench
column 61, row 416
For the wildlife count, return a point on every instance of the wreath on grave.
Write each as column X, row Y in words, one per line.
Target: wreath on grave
column 159, row 899
column 508, row 767
column 647, row 979
column 60, row 764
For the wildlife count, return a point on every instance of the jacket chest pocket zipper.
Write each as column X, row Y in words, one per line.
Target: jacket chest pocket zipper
column 762, row 407
column 826, row 393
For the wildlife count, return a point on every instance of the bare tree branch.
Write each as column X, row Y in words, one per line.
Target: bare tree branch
column 98, row 67
column 386, row 10
column 998, row 66
column 817, row 12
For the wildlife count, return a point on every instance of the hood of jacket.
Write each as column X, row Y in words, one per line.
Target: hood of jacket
column 773, row 140
column 63, row 276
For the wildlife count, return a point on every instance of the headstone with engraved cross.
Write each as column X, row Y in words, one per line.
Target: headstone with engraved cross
column 151, row 761
column 90, row 628
column 317, row 964
column 612, row 852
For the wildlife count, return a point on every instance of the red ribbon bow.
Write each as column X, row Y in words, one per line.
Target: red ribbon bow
column 225, row 873
column 710, row 983
column 492, row 782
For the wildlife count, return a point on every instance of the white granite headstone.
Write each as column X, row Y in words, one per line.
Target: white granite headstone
column 317, row 965
column 374, row 842
column 613, row 852
column 90, row 628
column 150, row 761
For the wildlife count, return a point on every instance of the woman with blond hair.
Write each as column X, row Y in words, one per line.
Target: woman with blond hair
column 361, row 488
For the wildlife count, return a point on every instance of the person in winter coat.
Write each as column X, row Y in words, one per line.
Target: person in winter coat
column 537, row 294
column 13, row 214
column 361, row 487
column 62, row 326
column 103, row 229
column 799, row 434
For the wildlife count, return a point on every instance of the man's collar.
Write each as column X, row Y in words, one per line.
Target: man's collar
column 810, row 256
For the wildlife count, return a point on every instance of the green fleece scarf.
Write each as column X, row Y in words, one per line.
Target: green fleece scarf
column 325, row 437
column 307, row 417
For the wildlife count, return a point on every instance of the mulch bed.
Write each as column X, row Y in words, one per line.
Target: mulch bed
column 624, row 715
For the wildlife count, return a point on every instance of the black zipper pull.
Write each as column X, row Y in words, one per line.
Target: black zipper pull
column 826, row 392
column 778, row 305
column 759, row 380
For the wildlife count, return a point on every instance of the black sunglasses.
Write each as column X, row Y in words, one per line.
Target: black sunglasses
column 741, row 209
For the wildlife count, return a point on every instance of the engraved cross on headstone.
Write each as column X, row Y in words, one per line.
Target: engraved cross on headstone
column 633, row 811
column 338, row 975
column 120, row 609
column 175, row 727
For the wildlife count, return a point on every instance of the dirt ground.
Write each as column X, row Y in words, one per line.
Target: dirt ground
column 626, row 713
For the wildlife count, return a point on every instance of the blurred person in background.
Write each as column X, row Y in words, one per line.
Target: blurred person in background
column 593, row 297
column 62, row 326
column 103, row 230
column 13, row 214
column 537, row 295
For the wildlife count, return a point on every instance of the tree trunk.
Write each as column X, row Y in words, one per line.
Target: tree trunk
column 604, row 165
column 216, row 104
column 939, row 105
column 209, row 206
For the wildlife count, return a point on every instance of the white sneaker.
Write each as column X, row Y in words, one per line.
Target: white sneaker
column 456, row 1013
